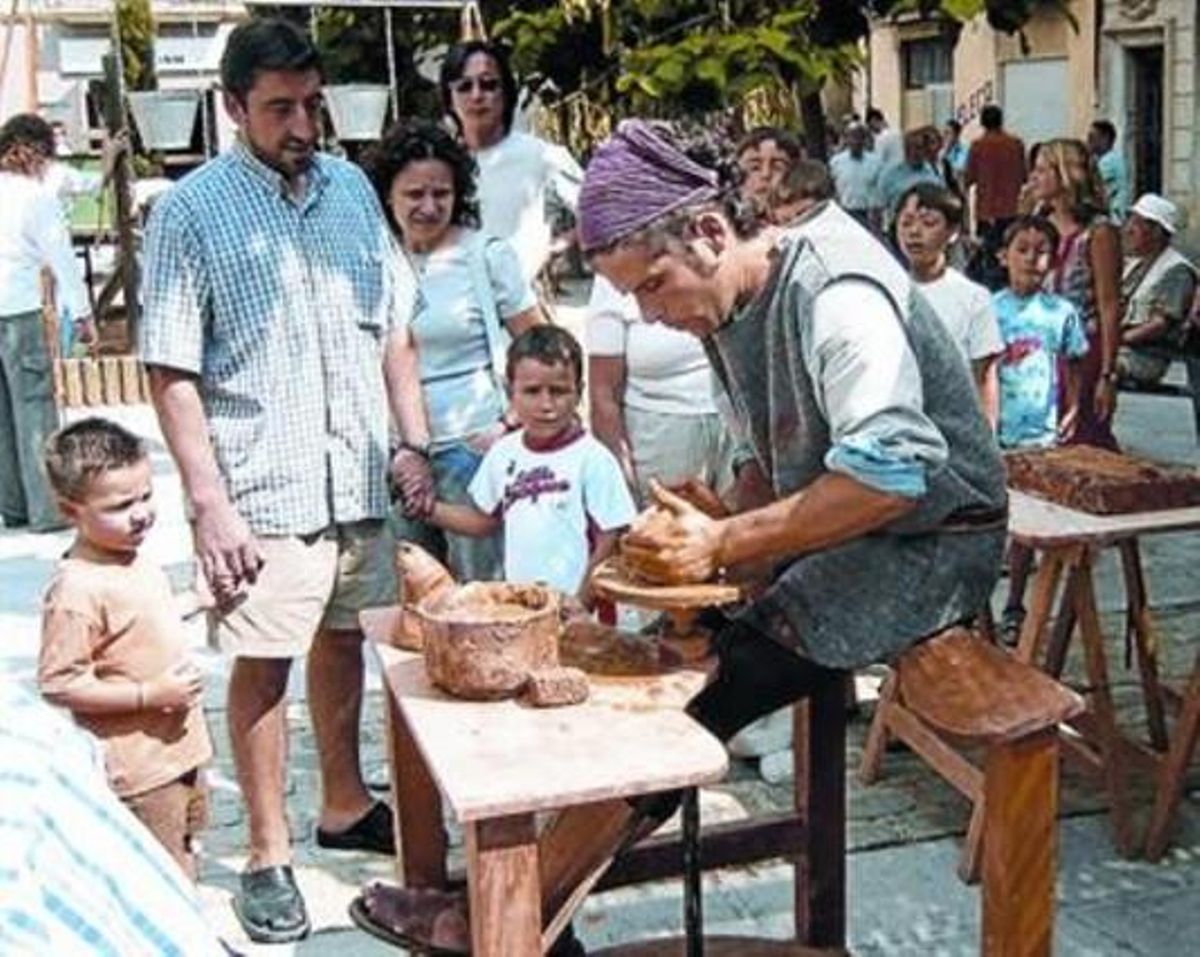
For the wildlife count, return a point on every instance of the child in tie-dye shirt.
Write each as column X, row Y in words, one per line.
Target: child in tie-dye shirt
column 1043, row 336
column 1043, row 339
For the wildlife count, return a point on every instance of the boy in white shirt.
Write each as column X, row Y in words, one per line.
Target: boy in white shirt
column 928, row 220
column 558, row 493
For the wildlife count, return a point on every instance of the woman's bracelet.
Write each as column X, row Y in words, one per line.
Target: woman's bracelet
column 141, row 696
column 420, row 448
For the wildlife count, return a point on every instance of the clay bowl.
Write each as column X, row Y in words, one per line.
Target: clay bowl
column 483, row 639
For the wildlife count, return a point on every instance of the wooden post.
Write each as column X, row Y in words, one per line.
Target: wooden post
column 1019, row 856
column 503, row 886
column 114, row 121
column 417, row 816
column 819, row 757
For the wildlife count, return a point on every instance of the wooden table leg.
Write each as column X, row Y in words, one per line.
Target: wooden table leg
column 1045, row 587
column 819, row 753
column 1019, row 855
column 420, row 835
column 1055, row 657
column 1173, row 770
column 1144, row 642
column 1102, row 710
column 504, row 887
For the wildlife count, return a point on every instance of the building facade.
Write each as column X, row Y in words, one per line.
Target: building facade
column 56, row 50
column 1133, row 62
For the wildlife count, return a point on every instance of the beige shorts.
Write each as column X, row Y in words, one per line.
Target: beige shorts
column 308, row 584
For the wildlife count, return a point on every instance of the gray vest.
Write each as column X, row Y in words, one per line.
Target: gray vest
column 868, row 599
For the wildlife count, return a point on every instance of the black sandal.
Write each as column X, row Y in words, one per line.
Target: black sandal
column 371, row 832
column 270, row 906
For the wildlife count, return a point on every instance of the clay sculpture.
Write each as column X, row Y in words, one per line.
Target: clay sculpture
column 1102, row 482
column 418, row 576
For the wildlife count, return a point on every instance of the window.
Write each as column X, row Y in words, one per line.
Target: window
column 927, row 62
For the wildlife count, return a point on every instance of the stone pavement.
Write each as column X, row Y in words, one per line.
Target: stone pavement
column 905, row 897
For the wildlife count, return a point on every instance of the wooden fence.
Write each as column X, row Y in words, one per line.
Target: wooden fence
column 103, row 380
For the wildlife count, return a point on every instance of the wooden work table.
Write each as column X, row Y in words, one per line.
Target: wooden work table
column 1068, row 542
column 496, row 764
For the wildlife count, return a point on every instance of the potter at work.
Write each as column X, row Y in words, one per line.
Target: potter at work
column 884, row 521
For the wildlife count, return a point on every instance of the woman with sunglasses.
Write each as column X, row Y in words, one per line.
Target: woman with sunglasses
column 34, row 239
column 518, row 173
column 473, row 297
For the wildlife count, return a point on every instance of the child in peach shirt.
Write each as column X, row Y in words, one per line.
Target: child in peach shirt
column 112, row 649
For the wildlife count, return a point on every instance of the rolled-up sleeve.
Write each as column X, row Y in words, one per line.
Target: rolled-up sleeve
column 869, row 389
column 176, row 291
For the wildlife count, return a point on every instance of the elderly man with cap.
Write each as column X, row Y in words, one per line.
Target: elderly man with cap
column 884, row 518
column 1157, row 289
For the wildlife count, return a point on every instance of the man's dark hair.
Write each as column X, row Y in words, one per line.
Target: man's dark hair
column 455, row 65
column 1027, row 222
column 78, row 453
column 549, row 345
column 262, row 44
column 763, row 134
column 874, row 113
column 411, row 141
column 27, row 129
column 991, row 117
column 953, row 124
column 1106, row 129
column 935, row 197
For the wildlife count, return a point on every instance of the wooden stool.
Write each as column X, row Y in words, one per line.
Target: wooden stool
column 960, row 687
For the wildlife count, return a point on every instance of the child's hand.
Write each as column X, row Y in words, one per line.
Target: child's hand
column 177, row 688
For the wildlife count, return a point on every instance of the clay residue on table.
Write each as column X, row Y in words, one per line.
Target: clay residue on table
column 604, row 650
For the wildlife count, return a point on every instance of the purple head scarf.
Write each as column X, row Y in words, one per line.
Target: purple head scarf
column 632, row 180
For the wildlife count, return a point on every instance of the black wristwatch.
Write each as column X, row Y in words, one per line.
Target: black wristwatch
column 422, row 448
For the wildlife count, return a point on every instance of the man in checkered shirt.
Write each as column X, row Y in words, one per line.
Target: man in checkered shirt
column 275, row 306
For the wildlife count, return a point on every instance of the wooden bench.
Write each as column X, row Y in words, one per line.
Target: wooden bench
column 958, row 689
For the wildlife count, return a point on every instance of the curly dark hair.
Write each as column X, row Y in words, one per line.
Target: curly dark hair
column 23, row 138
column 455, row 65
column 411, row 141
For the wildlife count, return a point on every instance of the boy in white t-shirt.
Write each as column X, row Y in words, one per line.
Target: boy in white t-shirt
column 928, row 220
column 558, row 493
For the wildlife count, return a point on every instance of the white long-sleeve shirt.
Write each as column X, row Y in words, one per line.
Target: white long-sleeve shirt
column 34, row 235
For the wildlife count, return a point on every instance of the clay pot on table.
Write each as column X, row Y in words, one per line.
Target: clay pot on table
column 483, row 640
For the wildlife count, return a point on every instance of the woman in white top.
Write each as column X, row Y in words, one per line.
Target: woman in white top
column 651, row 397
column 518, row 173
column 34, row 238
column 473, row 296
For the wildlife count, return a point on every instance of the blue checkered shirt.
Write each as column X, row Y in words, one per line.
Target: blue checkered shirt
column 281, row 307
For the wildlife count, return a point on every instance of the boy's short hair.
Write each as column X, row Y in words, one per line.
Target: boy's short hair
column 935, row 197
column 548, row 345
column 779, row 136
column 807, row 179
column 78, row 453
column 1026, row 222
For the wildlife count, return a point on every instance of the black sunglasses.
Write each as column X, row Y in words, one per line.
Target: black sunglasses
column 486, row 84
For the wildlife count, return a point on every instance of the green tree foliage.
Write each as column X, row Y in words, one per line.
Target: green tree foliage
column 136, row 27
column 665, row 57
